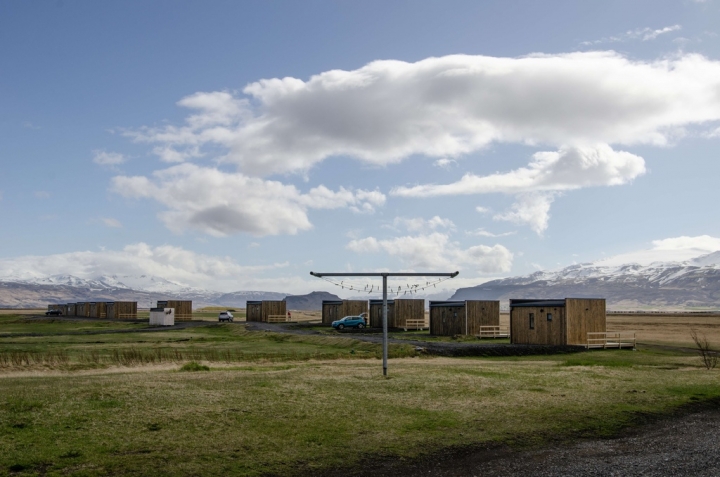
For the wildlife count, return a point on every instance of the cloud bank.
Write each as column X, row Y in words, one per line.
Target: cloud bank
column 447, row 107
column 172, row 263
column 221, row 203
column 581, row 108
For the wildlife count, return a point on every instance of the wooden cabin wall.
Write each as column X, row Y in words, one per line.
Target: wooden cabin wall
column 71, row 309
column 253, row 311
column 584, row 315
column 273, row 307
column 376, row 320
column 545, row 332
column 183, row 308
column 407, row 309
column 481, row 313
column 331, row 311
column 447, row 320
column 111, row 310
column 354, row 308
column 92, row 313
column 126, row 310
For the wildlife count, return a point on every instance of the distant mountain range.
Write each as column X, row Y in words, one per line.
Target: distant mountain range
column 146, row 290
column 688, row 284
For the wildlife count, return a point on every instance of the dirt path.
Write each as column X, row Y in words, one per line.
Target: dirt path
column 684, row 445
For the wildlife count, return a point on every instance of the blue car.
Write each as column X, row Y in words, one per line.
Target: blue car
column 349, row 322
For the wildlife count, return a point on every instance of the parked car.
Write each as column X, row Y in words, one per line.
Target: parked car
column 225, row 316
column 349, row 322
column 53, row 313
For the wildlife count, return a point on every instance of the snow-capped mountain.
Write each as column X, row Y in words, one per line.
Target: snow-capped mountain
column 692, row 283
column 145, row 289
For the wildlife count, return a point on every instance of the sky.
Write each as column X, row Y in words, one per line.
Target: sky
column 239, row 145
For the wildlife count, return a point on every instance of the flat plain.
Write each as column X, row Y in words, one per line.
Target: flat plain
column 103, row 397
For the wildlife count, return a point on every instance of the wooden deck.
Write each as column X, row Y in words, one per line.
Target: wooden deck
column 611, row 339
column 493, row 332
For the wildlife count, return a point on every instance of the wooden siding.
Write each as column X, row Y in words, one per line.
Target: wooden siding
column 253, row 311
column 376, row 320
column 354, row 307
column 545, row 332
column 124, row 310
column 481, row 313
column 98, row 309
column 273, row 307
column 80, row 308
column 331, row 311
column 584, row 315
column 407, row 309
column 260, row 310
column 183, row 308
column 447, row 320
column 71, row 309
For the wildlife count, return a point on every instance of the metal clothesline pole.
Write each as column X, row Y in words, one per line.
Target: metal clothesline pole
column 384, row 276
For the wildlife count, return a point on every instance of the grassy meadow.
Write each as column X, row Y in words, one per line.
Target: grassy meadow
column 218, row 399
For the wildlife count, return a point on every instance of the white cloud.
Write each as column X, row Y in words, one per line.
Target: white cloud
column 537, row 184
column 670, row 249
column 169, row 262
column 105, row 158
column 567, row 169
column 449, row 106
column 112, row 223
column 435, row 251
column 531, row 209
column 643, row 34
column 445, row 163
column 221, row 203
column 485, row 233
column 482, row 210
column 418, row 224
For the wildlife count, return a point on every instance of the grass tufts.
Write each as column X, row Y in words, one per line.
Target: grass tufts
column 194, row 366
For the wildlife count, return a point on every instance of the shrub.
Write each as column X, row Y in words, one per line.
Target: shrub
column 194, row 366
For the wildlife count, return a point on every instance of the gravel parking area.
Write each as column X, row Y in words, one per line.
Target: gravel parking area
column 686, row 445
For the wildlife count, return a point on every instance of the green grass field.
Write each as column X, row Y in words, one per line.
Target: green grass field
column 285, row 404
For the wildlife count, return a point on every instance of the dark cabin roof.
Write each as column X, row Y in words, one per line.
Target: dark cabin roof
column 379, row 302
column 332, row 302
column 434, row 304
column 554, row 303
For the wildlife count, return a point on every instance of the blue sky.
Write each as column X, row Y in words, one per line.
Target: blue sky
column 139, row 137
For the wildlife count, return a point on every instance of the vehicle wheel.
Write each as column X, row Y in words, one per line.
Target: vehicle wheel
column 361, row 326
column 340, row 327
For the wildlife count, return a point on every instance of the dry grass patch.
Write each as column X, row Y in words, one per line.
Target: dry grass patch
column 296, row 416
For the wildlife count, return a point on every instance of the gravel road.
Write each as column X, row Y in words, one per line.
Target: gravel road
column 681, row 446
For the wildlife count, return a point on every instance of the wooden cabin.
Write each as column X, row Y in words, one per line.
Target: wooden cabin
column 261, row 310
column 183, row 308
column 556, row 322
column 450, row 318
column 333, row 310
column 82, row 309
column 123, row 310
column 401, row 312
column 70, row 309
column 98, row 309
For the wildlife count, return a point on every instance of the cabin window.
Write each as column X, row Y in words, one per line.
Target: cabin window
column 532, row 321
column 549, row 316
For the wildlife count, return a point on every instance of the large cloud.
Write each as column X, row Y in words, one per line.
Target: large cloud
column 567, row 169
column 435, row 251
column 221, row 203
column 449, row 106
